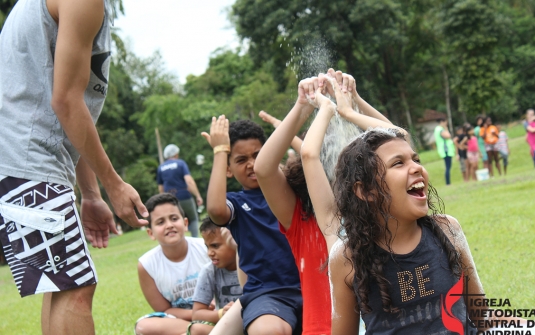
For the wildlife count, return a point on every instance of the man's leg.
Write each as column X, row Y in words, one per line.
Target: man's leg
column 45, row 314
column 447, row 160
column 190, row 209
column 69, row 312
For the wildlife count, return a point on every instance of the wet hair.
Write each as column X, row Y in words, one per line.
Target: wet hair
column 359, row 162
column 295, row 176
column 245, row 130
column 208, row 226
column 160, row 199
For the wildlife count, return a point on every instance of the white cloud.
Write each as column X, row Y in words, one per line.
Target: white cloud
column 185, row 32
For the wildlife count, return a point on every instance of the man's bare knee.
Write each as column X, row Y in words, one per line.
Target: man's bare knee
column 269, row 325
column 78, row 299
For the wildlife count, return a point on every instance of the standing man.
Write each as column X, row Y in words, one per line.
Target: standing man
column 54, row 57
column 174, row 177
column 445, row 146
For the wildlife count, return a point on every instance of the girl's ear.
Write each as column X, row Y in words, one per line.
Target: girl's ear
column 357, row 189
column 229, row 173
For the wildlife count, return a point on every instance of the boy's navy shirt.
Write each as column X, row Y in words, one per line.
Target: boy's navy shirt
column 265, row 255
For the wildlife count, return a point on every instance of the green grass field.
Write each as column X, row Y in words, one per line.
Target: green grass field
column 495, row 215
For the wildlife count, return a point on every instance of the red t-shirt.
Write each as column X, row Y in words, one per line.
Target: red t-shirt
column 310, row 252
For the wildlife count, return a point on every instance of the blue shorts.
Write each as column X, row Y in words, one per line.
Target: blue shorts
column 285, row 302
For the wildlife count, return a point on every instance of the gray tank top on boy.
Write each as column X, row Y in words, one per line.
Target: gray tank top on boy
column 417, row 282
column 33, row 144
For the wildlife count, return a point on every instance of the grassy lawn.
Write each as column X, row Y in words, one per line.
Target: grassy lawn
column 495, row 215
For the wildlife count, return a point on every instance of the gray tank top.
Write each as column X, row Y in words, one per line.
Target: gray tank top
column 418, row 280
column 33, row 144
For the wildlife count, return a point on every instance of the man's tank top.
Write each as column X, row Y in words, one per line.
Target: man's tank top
column 417, row 282
column 33, row 144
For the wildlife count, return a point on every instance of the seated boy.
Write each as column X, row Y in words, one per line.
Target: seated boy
column 271, row 301
column 218, row 279
column 169, row 272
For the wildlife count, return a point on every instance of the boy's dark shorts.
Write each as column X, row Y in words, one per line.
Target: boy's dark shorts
column 284, row 302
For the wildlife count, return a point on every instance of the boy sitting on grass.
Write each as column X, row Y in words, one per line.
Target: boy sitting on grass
column 169, row 272
column 218, row 279
column 271, row 301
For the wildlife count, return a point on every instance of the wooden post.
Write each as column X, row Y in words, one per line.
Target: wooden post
column 159, row 144
column 447, row 94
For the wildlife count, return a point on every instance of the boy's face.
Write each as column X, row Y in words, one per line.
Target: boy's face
column 167, row 225
column 241, row 162
column 220, row 253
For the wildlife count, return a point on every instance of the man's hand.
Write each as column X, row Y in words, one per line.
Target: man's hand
column 199, row 200
column 218, row 132
column 125, row 200
column 97, row 220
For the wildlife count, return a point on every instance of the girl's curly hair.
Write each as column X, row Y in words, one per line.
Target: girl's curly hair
column 359, row 162
column 295, row 176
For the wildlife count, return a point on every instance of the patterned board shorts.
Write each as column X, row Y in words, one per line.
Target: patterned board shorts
column 42, row 237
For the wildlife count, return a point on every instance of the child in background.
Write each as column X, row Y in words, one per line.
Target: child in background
column 503, row 147
column 530, row 129
column 271, row 301
column 481, row 141
column 396, row 260
column 460, row 140
column 168, row 273
column 472, row 152
column 218, row 279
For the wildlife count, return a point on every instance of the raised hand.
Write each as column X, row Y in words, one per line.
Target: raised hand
column 218, row 132
column 306, row 91
column 97, row 220
column 269, row 119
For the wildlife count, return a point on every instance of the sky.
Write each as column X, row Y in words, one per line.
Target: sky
column 185, row 31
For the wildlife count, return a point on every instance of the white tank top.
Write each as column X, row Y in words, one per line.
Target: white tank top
column 176, row 281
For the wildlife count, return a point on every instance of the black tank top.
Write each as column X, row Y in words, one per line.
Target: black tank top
column 417, row 281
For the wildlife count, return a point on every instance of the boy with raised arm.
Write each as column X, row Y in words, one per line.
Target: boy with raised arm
column 168, row 273
column 218, row 279
column 272, row 301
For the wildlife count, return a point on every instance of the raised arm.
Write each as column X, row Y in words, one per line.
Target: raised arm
column 78, row 24
column 319, row 189
column 216, row 198
column 296, row 141
column 279, row 195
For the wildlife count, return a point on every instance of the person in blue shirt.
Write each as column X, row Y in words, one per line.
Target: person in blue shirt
column 271, row 301
column 174, row 177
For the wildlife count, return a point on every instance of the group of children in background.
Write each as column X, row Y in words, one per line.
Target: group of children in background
column 355, row 209
column 486, row 142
